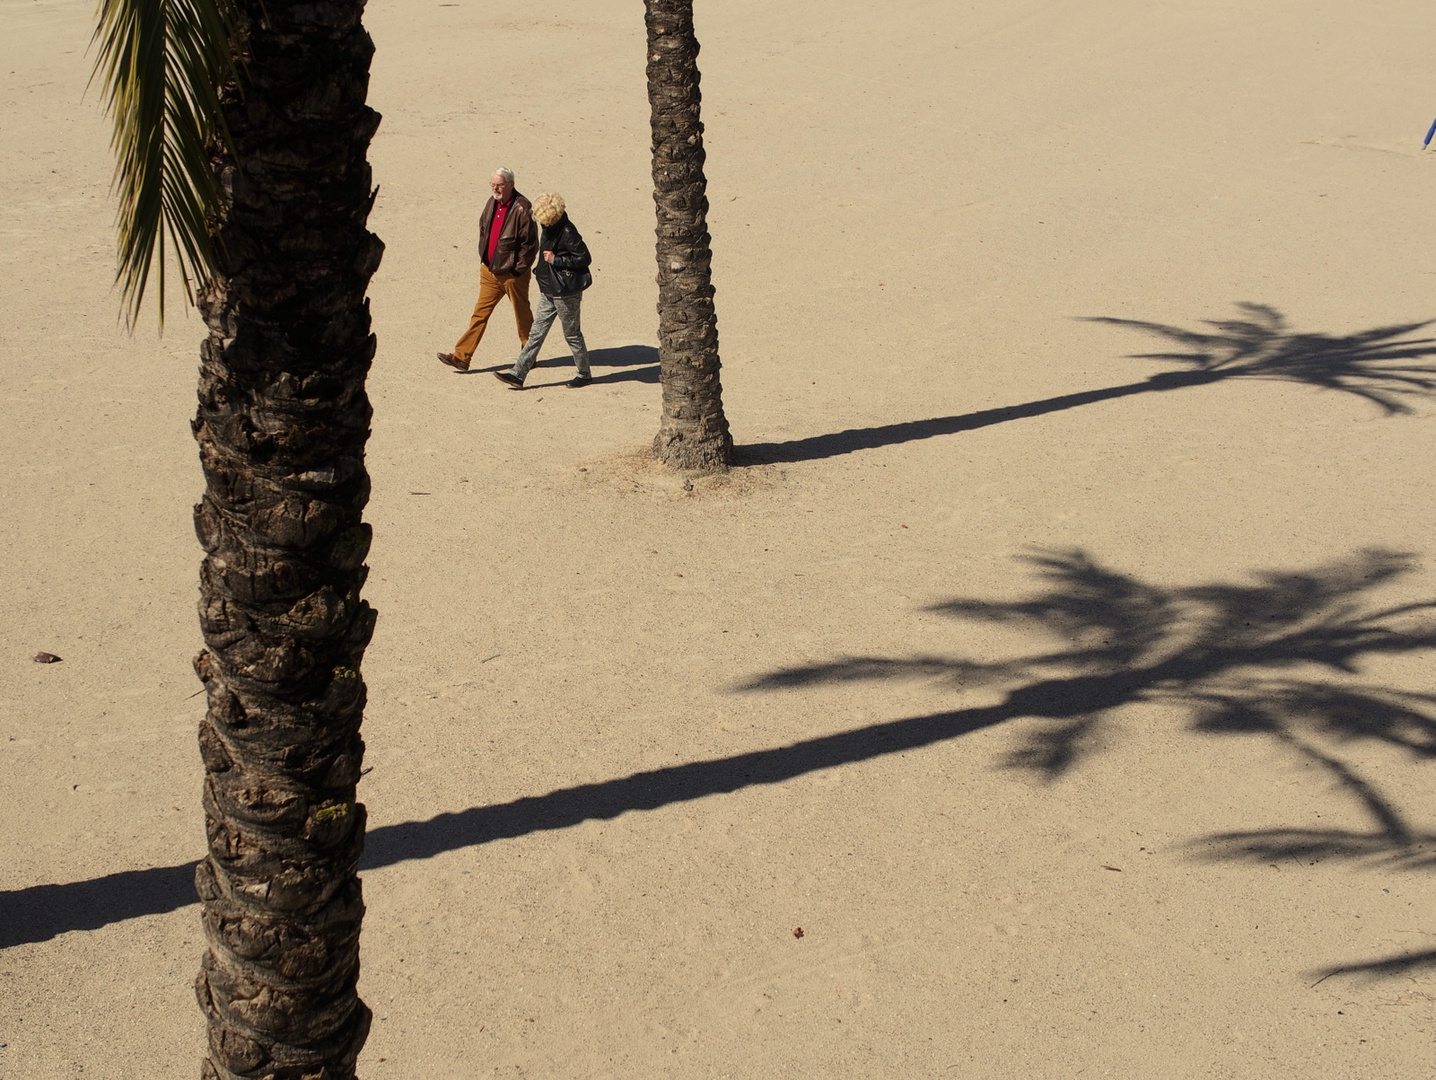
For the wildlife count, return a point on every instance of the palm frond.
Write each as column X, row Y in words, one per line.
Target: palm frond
column 161, row 64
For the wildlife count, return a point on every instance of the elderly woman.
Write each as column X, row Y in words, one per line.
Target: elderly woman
column 562, row 275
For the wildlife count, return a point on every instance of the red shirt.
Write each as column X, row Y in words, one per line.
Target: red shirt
column 501, row 211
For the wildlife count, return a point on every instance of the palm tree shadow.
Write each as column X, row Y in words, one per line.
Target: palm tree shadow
column 1385, row 366
column 1278, row 656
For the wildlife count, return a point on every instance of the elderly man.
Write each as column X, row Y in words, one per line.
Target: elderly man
column 508, row 241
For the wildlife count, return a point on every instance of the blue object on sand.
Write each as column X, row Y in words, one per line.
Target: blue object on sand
column 1429, row 132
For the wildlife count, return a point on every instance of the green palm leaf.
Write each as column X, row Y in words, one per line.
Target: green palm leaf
column 161, row 63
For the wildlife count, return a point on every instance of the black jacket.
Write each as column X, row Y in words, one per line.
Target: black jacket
column 568, row 273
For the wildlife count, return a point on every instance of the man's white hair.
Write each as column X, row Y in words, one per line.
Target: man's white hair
column 506, row 173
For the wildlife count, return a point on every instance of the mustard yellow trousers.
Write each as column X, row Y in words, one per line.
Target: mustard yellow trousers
column 493, row 288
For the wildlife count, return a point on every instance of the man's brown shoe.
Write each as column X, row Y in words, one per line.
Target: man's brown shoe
column 453, row 361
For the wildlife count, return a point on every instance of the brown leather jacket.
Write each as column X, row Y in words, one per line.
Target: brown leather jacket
column 518, row 243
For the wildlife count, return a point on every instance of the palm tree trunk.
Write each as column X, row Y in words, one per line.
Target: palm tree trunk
column 693, row 434
column 283, row 419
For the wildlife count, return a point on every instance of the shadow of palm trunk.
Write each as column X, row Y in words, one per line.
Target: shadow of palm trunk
column 1386, row 967
column 837, row 443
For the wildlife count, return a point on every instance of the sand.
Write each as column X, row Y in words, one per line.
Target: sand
column 1085, row 738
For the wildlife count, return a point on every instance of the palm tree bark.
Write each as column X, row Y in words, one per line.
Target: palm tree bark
column 283, row 419
column 694, row 433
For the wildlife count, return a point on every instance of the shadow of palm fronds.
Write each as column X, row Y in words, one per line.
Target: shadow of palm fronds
column 1383, row 365
column 1399, row 847
column 1279, row 655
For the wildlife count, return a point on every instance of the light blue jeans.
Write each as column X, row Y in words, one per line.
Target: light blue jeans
column 566, row 309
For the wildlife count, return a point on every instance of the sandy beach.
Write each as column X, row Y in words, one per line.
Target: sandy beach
column 1057, row 658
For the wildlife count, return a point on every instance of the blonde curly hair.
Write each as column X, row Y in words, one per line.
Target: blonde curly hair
column 548, row 208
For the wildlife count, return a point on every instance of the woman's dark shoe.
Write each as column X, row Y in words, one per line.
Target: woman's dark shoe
column 579, row 380
column 510, row 379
